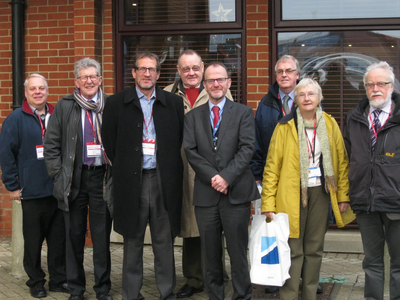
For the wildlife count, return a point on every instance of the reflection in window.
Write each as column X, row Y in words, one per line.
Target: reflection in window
column 179, row 11
column 339, row 9
column 215, row 47
column 338, row 60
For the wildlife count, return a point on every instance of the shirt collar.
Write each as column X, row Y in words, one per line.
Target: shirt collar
column 141, row 95
column 282, row 94
column 95, row 98
column 385, row 109
column 34, row 109
column 220, row 105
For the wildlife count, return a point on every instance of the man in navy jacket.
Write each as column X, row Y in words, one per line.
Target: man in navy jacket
column 26, row 178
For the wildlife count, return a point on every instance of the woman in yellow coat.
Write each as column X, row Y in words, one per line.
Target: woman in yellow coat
column 306, row 168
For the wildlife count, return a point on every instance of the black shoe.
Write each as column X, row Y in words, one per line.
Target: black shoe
column 319, row 289
column 60, row 288
column 187, row 291
column 38, row 291
column 76, row 297
column 270, row 289
column 104, row 296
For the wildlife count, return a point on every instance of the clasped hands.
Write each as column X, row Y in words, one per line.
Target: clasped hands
column 219, row 184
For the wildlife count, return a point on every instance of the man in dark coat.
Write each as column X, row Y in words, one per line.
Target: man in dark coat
column 142, row 135
column 26, row 178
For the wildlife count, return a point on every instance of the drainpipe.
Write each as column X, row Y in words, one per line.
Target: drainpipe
column 18, row 70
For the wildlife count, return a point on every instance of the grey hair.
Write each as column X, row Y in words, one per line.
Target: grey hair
column 85, row 63
column 150, row 55
column 303, row 83
column 36, row 75
column 383, row 65
column 188, row 52
column 289, row 57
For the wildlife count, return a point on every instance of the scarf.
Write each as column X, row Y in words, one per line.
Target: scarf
column 322, row 134
column 98, row 109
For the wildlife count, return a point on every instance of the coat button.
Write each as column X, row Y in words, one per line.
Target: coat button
column 139, row 125
column 137, row 148
column 185, row 107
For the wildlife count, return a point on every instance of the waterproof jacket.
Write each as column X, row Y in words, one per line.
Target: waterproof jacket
column 188, row 219
column 63, row 156
column 281, row 184
column 374, row 177
column 20, row 134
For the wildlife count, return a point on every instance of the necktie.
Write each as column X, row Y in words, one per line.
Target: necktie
column 215, row 110
column 285, row 104
column 88, row 136
column 377, row 126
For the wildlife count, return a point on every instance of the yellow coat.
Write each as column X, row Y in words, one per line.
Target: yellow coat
column 281, row 184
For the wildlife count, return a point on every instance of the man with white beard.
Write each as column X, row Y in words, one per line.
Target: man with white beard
column 372, row 137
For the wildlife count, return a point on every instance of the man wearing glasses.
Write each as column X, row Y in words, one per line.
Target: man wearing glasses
column 219, row 143
column 372, row 141
column 190, row 88
column 142, row 134
column 75, row 159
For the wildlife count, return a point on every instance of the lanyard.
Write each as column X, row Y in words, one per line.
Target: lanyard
column 41, row 126
column 372, row 123
column 311, row 145
column 148, row 124
column 215, row 130
column 91, row 124
column 283, row 111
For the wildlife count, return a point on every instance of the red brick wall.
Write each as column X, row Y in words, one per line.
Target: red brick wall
column 57, row 33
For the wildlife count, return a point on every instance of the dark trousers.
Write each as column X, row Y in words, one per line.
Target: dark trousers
column 152, row 211
column 233, row 220
column 90, row 194
column 43, row 220
column 376, row 229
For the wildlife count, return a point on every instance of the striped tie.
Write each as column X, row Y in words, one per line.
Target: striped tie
column 377, row 126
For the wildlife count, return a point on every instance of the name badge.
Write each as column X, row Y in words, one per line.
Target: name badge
column 39, row 152
column 93, row 150
column 149, row 146
column 314, row 172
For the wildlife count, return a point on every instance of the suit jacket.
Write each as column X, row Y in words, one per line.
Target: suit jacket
column 122, row 133
column 236, row 138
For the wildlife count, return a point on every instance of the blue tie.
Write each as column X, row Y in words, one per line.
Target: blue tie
column 88, row 136
column 377, row 126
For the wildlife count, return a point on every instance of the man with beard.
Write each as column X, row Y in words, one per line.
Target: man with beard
column 142, row 134
column 372, row 140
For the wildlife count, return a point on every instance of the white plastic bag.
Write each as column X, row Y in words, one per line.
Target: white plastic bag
column 269, row 250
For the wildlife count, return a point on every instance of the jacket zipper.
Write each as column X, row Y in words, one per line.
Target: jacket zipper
column 73, row 159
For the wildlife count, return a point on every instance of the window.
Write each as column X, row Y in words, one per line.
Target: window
column 167, row 27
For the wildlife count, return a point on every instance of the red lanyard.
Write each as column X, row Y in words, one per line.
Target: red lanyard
column 148, row 124
column 283, row 111
column 41, row 126
column 311, row 145
column 91, row 124
column 372, row 123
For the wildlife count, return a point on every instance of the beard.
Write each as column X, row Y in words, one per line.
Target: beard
column 380, row 103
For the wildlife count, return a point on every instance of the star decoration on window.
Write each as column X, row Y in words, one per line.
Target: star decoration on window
column 221, row 13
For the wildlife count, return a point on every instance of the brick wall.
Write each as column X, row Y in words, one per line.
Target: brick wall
column 57, row 33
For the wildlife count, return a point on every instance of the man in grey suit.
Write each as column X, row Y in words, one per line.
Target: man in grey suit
column 219, row 143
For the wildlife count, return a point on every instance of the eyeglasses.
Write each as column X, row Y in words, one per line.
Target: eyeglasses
column 380, row 84
column 187, row 69
column 85, row 78
column 309, row 95
column 287, row 71
column 143, row 70
column 219, row 80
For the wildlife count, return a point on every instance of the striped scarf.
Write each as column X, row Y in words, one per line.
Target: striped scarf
column 98, row 108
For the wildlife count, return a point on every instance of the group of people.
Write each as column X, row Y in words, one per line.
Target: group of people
column 187, row 160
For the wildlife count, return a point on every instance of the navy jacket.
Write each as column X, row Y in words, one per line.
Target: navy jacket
column 19, row 136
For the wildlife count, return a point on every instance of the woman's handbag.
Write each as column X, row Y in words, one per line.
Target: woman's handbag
column 269, row 250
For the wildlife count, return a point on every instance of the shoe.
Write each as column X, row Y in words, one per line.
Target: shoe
column 76, row 297
column 319, row 289
column 271, row 289
column 104, row 296
column 60, row 288
column 187, row 291
column 38, row 291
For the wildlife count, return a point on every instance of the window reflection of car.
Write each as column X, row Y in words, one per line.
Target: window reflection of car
column 353, row 67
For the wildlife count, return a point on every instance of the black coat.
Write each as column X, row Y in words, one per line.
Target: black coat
column 122, row 133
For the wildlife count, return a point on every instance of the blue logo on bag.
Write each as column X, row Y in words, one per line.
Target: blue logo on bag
column 269, row 250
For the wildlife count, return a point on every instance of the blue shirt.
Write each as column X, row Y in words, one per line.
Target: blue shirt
column 221, row 108
column 149, row 161
column 291, row 95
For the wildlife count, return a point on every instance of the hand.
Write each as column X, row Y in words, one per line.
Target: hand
column 269, row 214
column 218, row 183
column 343, row 206
column 16, row 195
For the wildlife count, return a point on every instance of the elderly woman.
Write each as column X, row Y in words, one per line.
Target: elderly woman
column 306, row 168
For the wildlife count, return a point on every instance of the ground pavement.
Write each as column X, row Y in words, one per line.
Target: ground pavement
column 341, row 276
